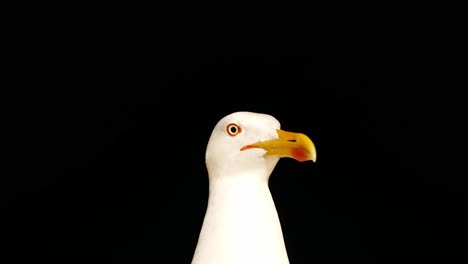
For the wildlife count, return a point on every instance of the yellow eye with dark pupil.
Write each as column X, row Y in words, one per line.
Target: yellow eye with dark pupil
column 233, row 129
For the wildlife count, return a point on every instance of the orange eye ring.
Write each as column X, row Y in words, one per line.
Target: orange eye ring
column 233, row 129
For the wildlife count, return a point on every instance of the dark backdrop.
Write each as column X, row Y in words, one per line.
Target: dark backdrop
column 110, row 167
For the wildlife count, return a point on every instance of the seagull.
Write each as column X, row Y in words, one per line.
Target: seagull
column 241, row 224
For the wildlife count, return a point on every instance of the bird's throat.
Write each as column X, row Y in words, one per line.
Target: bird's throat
column 241, row 224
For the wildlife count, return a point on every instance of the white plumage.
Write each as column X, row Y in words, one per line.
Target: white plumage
column 241, row 224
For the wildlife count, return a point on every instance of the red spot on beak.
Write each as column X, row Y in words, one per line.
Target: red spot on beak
column 299, row 154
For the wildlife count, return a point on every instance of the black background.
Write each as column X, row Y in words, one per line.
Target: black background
column 109, row 167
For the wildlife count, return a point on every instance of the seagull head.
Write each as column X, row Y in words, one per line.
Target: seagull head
column 247, row 143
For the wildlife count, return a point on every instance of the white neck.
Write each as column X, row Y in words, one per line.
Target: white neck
column 241, row 224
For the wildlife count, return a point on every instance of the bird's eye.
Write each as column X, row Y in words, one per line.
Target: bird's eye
column 233, row 129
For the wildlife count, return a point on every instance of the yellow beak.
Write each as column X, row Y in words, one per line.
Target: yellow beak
column 288, row 144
